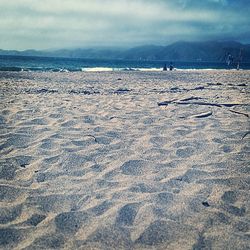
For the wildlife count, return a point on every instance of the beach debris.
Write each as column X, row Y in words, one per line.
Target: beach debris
column 188, row 101
column 191, row 98
column 165, row 103
column 198, row 88
column 247, row 133
column 176, row 89
column 83, row 91
column 205, row 204
column 240, row 113
column 115, row 117
column 47, row 91
column 203, row 115
column 92, row 137
column 121, row 91
column 180, row 102
column 214, row 84
column 40, row 91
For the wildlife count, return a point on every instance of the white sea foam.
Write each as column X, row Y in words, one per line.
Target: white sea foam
column 107, row 69
column 97, row 69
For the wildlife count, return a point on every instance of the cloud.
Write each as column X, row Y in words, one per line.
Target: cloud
column 76, row 23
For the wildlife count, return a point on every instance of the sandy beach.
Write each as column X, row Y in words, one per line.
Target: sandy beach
column 125, row 160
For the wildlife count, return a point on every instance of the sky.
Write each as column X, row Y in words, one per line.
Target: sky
column 54, row 24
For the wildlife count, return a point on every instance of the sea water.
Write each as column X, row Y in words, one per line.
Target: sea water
column 56, row 64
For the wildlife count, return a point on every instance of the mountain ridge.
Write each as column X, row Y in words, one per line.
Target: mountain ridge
column 216, row 51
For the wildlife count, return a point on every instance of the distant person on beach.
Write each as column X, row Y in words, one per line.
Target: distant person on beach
column 171, row 66
column 229, row 60
column 165, row 67
column 239, row 59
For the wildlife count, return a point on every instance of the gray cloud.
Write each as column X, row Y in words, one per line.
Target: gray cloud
column 78, row 23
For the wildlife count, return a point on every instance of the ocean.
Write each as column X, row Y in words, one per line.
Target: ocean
column 56, row 64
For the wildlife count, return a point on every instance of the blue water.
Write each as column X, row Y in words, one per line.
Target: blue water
column 31, row 63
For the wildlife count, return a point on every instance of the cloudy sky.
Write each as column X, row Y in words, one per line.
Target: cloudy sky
column 48, row 24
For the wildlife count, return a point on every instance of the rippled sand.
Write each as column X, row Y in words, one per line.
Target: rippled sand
column 124, row 160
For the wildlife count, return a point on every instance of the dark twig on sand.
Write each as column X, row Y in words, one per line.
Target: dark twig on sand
column 186, row 101
column 203, row 115
column 240, row 113
column 165, row 103
column 92, row 137
column 191, row 98
column 247, row 133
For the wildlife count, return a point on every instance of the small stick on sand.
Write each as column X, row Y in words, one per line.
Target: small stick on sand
column 245, row 135
column 237, row 112
column 203, row 115
column 92, row 137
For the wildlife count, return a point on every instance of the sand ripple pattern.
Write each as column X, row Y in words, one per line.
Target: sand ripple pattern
column 91, row 161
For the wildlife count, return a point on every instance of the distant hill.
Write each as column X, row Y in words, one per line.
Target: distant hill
column 210, row 51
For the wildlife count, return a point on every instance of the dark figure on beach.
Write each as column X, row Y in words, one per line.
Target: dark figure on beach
column 171, row 66
column 239, row 59
column 165, row 67
column 229, row 60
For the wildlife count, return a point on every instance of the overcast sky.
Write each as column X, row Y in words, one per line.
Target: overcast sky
column 48, row 24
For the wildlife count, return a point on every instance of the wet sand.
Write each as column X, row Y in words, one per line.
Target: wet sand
column 124, row 160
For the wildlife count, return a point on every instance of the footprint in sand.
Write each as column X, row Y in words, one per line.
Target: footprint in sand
column 8, row 214
column 182, row 132
column 126, row 215
column 41, row 177
column 49, row 241
column 156, row 154
column 235, row 210
column 242, row 226
column 229, row 197
column 37, row 121
column 111, row 237
column 7, row 171
column 226, row 149
column 54, row 203
column 142, row 188
column 97, row 168
column 10, row 193
column 102, row 208
column 68, row 124
column 35, row 219
column 18, row 140
column 47, row 144
column 163, row 232
column 70, row 222
column 164, row 198
column 158, row 141
column 9, row 237
column 218, row 218
column 103, row 140
column 193, row 175
column 185, row 152
column 134, row 167
column 89, row 119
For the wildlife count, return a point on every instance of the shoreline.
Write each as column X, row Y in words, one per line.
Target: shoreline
column 16, row 69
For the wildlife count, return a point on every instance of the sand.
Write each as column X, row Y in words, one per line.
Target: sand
column 124, row 160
